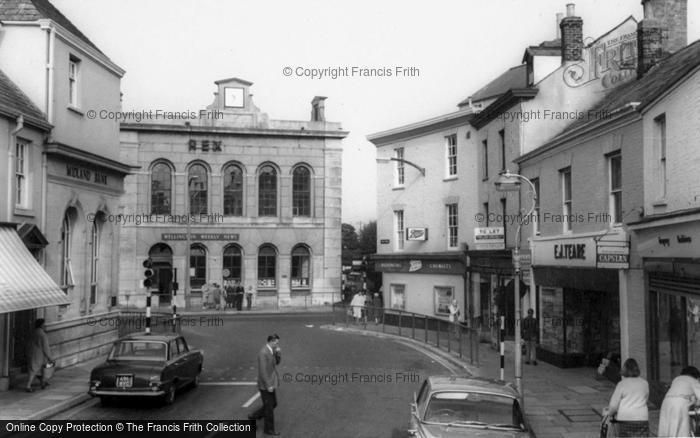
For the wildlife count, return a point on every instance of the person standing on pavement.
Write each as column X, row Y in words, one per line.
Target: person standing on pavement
column 216, row 296
column 453, row 308
column 530, row 332
column 38, row 354
column 239, row 296
column 674, row 418
column 629, row 402
column 268, row 381
column 358, row 301
column 249, row 298
column 378, row 307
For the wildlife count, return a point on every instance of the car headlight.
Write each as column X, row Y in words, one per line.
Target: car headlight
column 154, row 382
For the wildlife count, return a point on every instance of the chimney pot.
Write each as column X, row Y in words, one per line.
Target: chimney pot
column 560, row 16
column 571, row 10
column 318, row 109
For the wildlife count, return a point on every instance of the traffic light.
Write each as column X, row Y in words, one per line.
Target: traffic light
column 148, row 273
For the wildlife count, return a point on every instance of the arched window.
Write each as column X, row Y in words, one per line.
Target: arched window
column 198, row 266
column 233, row 191
column 66, row 237
column 267, row 191
column 301, row 192
column 232, row 263
column 301, row 268
column 95, row 255
column 267, row 267
column 161, row 193
column 197, row 184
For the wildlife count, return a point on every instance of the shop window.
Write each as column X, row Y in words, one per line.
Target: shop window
column 233, row 191
column 198, row 266
column 301, row 191
column 198, row 184
column 399, row 170
column 398, row 296
column 232, row 263
column 552, row 324
column 451, row 154
column 443, row 296
column 161, row 192
column 267, row 267
column 675, row 327
column 267, row 191
column 301, row 267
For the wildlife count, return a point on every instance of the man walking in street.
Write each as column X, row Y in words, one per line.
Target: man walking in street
column 530, row 331
column 268, row 381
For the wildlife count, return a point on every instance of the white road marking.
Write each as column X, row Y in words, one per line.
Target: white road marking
column 251, row 400
column 228, row 383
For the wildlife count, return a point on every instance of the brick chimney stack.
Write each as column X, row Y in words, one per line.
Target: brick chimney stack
column 571, row 28
column 318, row 107
column 663, row 31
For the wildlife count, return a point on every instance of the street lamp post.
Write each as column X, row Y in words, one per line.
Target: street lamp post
column 401, row 160
column 189, row 236
column 511, row 182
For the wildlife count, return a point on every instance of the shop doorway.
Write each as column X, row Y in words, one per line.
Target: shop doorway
column 22, row 325
column 162, row 264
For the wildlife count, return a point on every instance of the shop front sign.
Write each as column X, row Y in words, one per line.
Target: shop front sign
column 420, row 266
column 603, row 252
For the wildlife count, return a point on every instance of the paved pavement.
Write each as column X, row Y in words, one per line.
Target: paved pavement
column 559, row 402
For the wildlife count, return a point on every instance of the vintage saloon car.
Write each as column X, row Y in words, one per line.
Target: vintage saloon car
column 153, row 365
column 453, row 406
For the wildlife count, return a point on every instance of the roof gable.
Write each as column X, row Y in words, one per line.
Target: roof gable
column 33, row 10
column 14, row 102
column 514, row 77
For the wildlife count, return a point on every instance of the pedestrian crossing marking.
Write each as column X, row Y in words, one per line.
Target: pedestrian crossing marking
column 251, row 400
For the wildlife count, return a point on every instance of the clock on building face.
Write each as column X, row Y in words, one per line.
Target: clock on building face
column 233, row 97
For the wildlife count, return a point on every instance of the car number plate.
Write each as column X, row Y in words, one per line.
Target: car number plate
column 125, row 381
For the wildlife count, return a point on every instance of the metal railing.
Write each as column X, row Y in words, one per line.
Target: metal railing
column 431, row 330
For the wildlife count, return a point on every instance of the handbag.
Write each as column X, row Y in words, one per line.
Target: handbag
column 48, row 369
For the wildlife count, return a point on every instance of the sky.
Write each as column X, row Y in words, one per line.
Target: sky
column 174, row 50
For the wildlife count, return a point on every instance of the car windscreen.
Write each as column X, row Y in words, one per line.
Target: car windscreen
column 138, row 350
column 473, row 409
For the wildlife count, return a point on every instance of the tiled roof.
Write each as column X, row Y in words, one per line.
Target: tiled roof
column 33, row 10
column 14, row 102
column 545, row 48
column 668, row 72
column 514, row 77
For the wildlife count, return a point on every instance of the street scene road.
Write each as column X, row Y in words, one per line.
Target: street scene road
column 374, row 379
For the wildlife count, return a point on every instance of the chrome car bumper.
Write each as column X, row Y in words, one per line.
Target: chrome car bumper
column 127, row 393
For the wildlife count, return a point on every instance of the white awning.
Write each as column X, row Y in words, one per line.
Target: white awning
column 23, row 282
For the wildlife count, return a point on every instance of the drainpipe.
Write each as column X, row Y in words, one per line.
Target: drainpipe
column 50, row 52
column 10, row 161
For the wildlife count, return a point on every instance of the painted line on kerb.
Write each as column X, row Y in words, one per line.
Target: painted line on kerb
column 228, row 383
column 251, row 400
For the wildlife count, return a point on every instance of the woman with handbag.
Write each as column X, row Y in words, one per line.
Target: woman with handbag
column 38, row 355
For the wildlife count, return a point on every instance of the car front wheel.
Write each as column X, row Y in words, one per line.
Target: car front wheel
column 170, row 395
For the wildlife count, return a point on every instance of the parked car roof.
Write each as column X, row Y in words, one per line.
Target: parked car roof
column 165, row 337
column 468, row 383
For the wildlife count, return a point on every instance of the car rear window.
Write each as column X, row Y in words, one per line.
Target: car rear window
column 458, row 406
column 138, row 350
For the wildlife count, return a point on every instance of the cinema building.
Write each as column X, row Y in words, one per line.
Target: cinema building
column 230, row 194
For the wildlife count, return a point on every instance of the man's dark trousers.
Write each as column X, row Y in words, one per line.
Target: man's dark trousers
column 266, row 411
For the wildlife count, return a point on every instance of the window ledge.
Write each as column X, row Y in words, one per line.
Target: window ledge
column 451, row 178
column 485, row 179
column 76, row 110
column 398, row 187
column 659, row 203
column 23, row 211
